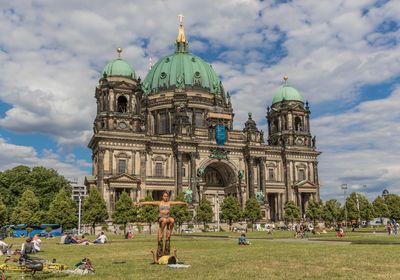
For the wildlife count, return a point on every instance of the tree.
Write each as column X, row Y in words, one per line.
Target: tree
column 292, row 211
column 358, row 207
column 381, row 210
column 252, row 211
column 393, row 203
column 230, row 210
column 148, row 213
column 331, row 211
column 63, row 211
column 125, row 212
column 180, row 212
column 94, row 209
column 45, row 183
column 27, row 210
column 3, row 213
column 314, row 211
column 204, row 212
column 366, row 209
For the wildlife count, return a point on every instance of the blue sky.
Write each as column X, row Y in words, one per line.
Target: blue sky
column 343, row 57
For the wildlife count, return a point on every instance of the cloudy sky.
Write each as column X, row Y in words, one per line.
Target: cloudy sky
column 343, row 56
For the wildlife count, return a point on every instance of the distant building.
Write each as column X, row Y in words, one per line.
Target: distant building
column 78, row 189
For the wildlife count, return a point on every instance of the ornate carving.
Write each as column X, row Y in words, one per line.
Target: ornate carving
column 260, row 197
column 200, row 171
column 219, row 153
column 188, row 195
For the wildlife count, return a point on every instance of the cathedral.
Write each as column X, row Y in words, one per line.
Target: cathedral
column 173, row 132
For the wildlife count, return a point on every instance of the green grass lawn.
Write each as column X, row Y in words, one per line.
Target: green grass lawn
column 213, row 258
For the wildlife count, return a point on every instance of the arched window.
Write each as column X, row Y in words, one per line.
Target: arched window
column 122, row 104
column 297, row 124
column 276, row 126
column 163, row 129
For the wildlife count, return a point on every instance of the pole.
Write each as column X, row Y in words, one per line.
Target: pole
column 79, row 214
column 344, row 188
column 217, row 213
column 358, row 207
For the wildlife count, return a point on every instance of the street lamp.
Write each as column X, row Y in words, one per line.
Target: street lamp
column 344, row 188
column 217, row 212
column 79, row 212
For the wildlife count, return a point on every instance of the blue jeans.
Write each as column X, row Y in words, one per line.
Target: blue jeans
column 98, row 242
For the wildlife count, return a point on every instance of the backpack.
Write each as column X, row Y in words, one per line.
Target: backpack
column 29, row 248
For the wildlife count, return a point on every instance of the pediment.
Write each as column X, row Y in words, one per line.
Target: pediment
column 123, row 178
column 305, row 184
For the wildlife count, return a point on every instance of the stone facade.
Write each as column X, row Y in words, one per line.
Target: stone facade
column 166, row 141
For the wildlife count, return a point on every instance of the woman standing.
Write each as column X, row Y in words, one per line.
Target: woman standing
column 165, row 221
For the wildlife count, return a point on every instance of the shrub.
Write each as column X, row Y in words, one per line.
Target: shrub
column 121, row 227
column 263, row 225
column 48, row 229
column 104, row 228
column 249, row 225
column 191, row 226
column 29, row 230
column 206, row 226
column 10, row 232
column 140, row 228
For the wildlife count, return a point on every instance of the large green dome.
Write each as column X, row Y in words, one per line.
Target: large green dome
column 119, row 67
column 288, row 93
column 181, row 70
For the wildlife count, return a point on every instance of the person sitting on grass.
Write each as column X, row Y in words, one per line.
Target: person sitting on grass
column 70, row 240
column 4, row 247
column 37, row 243
column 242, row 240
column 167, row 259
column 28, row 247
column 101, row 239
column 84, row 240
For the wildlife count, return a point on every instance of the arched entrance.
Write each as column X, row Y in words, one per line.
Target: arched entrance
column 221, row 178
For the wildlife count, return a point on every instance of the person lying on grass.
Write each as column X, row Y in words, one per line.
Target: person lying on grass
column 165, row 259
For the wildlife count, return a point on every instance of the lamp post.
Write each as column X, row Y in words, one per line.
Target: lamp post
column 344, row 188
column 79, row 213
column 358, row 207
column 217, row 212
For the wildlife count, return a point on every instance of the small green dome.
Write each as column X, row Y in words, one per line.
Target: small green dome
column 288, row 93
column 182, row 70
column 119, row 67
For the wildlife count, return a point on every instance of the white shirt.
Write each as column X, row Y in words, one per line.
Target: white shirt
column 2, row 243
column 102, row 238
column 37, row 243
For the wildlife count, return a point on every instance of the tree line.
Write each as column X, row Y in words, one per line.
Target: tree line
column 39, row 195
column 356, row 208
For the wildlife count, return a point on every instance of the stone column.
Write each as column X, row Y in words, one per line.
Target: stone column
column 299, row 203
column 250, row 178
column 179, row 173
column 100, row 171
column 142, row 171
column 193, row 177
column 262, row 175
column 276, row 207
column 279, row 206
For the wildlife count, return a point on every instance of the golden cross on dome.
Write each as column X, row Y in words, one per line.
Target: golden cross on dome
column 181, row 19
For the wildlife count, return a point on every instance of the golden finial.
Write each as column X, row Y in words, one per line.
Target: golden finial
column 181, row 19
column 285, row 78
column 119, row 50
column 181, row 35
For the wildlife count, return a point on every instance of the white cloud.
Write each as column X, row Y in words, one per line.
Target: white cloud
column 14, row 155
column 52, row 54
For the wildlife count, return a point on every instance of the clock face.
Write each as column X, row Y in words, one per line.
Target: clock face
column 122, row 125
column 299, row 141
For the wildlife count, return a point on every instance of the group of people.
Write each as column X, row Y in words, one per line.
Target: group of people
column 392, row 227
column 69, row 239
column 32, row 245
